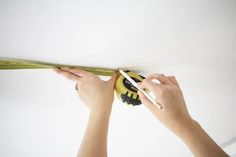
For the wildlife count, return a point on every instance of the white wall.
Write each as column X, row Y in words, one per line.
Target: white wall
column 40, row 114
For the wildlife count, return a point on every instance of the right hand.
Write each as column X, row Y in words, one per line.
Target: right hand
column 97, row 94
column 174, row 114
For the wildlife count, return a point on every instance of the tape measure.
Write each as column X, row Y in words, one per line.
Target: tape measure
column 126, row 92
column 14, row 63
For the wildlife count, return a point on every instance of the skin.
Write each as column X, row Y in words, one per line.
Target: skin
column 176, row 117
column 98, row 95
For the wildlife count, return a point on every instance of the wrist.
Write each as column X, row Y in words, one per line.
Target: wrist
column 99, row 117
column 186, row 127
column 101, row 111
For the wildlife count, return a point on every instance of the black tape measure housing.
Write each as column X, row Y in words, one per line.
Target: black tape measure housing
column 126, row 92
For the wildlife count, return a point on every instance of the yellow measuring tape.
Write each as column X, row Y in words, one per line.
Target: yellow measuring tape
column 13, row 63
column 126, row 92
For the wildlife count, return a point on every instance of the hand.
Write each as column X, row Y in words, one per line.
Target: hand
column 97, row 94
column 174, row 114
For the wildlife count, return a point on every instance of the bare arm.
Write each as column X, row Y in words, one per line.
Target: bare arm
column 95, row 138
column 199, row 141
column 176, row 117
column 98, row 95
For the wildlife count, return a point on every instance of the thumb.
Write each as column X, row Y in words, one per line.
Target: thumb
column 145, row 101
column 113, row 78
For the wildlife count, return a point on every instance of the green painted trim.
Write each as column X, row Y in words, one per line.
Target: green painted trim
column 13, row 63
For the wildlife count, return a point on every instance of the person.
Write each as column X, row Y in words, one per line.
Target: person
column 98, row 95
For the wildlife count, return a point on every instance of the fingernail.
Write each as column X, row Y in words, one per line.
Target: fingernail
column 139, row 92
column 65, row 68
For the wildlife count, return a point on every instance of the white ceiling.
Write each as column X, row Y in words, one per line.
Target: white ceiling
column 40, row 114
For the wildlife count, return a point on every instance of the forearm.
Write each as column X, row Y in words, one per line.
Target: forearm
column 199, row 141
column 95, row 139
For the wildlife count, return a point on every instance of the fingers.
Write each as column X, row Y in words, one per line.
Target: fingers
column 145, row 101
column 167, row 80
column 67, row 74
column 173, row 80
column 160, row 77
column 148, row 84
column 76, row 71
column 113, row 78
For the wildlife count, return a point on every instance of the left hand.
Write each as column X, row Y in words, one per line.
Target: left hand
column 97, row 94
